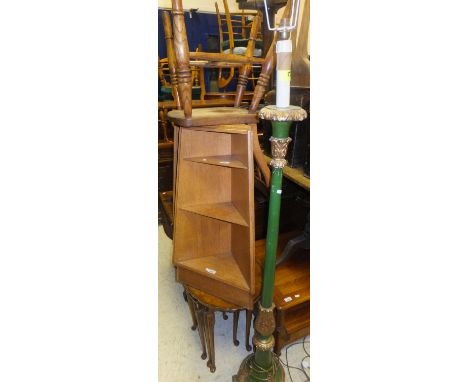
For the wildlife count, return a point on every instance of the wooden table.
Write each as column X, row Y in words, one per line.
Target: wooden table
column 202, row 308
column 291, row 295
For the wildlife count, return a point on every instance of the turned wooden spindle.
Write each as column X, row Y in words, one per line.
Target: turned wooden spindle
column 171, row 59
column 222, row 81
column 245, row 71
column 229, row 25
column 161, row 74
column 184, row 73
column 264, row 78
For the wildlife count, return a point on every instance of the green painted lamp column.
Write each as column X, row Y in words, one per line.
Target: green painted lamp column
column 264, row 365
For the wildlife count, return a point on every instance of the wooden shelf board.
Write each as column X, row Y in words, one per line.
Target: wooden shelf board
column 220, row 160
column 220, row 211
column 221, row 267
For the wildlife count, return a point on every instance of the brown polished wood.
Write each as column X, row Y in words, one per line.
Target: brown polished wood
column 171, row 56
column 214, row 223
column 224, row 57
column 198, row 104
column 241, row 27
column 181, row 49
column 205, row 306
column 223, row 82
column 246, row 69
column 212, row 116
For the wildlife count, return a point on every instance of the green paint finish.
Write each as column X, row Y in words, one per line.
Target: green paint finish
column 281, row 129
column 263, row 362
column 272, row 237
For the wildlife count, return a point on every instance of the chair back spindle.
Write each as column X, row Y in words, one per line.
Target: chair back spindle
column 181, row 49
column 171, row 56
column 245, row 71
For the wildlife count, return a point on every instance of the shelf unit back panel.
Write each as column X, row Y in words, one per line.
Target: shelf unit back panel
column 202, row 184
column 198, row 236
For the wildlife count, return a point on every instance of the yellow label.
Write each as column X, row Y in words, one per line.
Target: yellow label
column 284, row 75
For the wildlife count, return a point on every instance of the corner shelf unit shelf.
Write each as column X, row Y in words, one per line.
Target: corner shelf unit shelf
column 214, row 229
column 220, row 160
column 220, row 211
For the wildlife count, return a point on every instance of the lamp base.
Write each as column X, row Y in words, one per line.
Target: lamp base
column 249, row 371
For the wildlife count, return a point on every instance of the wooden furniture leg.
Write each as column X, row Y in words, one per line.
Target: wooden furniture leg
column 201, row 319
column 234, row 328
column 279, row 332
column 192, row 311
column 163, row 119
column 248, row 323
column 209, row 332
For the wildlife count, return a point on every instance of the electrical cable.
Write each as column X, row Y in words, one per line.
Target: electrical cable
column 302, row 367
column 288, row 367
column 303, row 345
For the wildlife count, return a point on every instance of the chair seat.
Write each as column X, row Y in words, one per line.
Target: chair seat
column 213, row 116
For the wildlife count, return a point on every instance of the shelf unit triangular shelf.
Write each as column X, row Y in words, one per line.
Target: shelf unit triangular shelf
column 220, row 160
column 223, row 268
column 220, row 211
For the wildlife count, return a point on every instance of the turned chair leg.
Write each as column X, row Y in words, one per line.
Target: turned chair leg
column 201, row 314
column 278, row 332
column 248, row 323
column 234, row 328
column 192, row 311
column 209, row 332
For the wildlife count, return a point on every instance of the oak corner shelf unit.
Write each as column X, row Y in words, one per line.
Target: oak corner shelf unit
column 214, row 228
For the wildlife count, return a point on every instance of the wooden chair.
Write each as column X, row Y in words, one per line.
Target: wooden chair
column 220, row 110
column 168, row 78
column 235, row 25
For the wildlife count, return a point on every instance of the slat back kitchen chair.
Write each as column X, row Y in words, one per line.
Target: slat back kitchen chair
column 214, row 110
column 233, row 28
